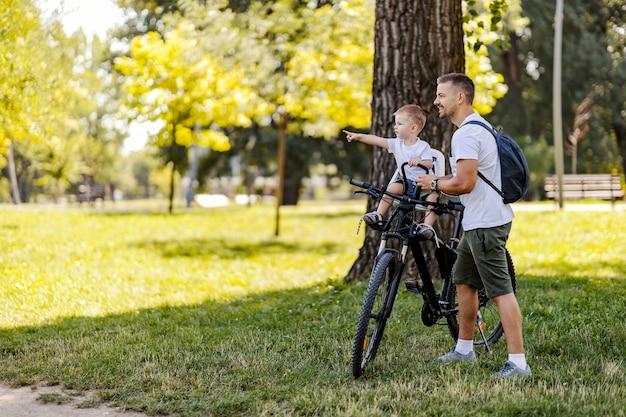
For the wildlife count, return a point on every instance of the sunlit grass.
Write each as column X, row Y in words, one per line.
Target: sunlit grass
column 61, row 264
column 206, row 313
column 574, row 244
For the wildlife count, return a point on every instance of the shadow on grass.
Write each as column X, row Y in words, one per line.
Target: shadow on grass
column 329, row 215
column 227, row 248
column 245, row 356
column 208, row 359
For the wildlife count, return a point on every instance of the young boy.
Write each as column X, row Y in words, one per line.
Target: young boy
column 406, row 147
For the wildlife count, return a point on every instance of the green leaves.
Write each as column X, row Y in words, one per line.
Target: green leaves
column 484, row 25
column 307, row 66
column 169, row 79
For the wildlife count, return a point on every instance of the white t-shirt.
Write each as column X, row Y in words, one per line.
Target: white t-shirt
column 419, row 150
column 484, row 207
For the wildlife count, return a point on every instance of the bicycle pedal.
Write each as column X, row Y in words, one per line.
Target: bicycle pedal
column 412, row 286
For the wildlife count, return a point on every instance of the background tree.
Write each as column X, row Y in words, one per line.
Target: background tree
column 594, row 61
column 43, row 98
column 309, row 47
column 23, row 79
column 309, row 63
column 170, row 80
column 325, row 69
column 305, row 61
column 300, row 61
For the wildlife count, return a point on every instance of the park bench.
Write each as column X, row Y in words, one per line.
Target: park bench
column 90, row 193
column 586, row 186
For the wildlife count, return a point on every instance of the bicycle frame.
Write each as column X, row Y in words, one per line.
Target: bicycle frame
column 388, row 268
column 402, row 215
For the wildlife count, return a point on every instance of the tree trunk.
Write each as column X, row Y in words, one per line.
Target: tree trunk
column 291, row 193
column 516, row 122
column 415, row 42
column 15, row 190
column 170, row 208
column 282, row 128
column 620, row 135
column 174, row 160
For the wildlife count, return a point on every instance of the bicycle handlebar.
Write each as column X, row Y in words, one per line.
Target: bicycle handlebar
column 377, row 192
column 359, row 183
column 418, row 165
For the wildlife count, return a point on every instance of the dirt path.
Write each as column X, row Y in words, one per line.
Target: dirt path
column 29, row 402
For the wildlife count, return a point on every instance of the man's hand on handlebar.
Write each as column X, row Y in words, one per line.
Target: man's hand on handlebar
column 423, row 181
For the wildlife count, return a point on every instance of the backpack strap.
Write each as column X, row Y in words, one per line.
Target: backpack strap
column 495, row 136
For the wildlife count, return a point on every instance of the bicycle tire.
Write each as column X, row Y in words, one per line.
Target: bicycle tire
column 379, row 299
column 491, row 324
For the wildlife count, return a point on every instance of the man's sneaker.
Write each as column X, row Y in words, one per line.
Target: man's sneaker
column 454, row 356
column 510, row 370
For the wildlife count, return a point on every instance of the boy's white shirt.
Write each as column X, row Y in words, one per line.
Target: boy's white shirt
column 402, row 153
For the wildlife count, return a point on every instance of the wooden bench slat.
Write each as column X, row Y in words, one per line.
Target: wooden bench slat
column 581, row 186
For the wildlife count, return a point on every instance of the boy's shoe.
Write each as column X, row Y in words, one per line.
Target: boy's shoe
column 373, row 218
column 454, row 356
column 510, row 370
column 424, row 231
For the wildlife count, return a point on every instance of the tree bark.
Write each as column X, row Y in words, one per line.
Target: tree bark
column 415, row 42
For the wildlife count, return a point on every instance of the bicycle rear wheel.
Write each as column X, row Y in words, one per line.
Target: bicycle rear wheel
column 488, row 318
column 376, row 309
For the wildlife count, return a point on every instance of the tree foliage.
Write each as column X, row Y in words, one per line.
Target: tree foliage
column 23, row 70
column 167, row 80
column 47, row 97
column 593, row 68
column 204, row 68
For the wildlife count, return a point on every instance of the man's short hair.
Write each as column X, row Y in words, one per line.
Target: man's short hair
column 460, row 81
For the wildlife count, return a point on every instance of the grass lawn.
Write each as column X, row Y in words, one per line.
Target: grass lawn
column 206, row 313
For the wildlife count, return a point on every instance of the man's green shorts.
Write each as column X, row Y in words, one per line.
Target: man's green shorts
column 482, row 262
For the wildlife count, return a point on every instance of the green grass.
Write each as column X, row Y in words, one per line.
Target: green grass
column 206, row 313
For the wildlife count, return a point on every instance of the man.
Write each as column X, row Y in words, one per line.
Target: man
column 481, row 261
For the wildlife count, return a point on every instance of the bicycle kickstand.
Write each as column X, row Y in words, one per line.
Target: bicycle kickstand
column 479, row 323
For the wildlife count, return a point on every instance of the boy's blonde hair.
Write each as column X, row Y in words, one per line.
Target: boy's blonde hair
column 414, row 113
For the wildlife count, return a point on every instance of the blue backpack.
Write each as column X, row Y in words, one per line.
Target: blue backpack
column 515, row 174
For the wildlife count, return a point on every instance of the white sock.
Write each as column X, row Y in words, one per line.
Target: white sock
column 519, row 359
column 464, row 346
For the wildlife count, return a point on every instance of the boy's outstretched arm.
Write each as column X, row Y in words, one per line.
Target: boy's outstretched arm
column 366, row 138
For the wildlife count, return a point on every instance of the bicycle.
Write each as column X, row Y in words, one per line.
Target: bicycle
column 438, row 308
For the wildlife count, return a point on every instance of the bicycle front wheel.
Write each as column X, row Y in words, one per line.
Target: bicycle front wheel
column 488, row 325
column 376, row 309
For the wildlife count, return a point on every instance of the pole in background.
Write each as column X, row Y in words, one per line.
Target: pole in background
column 557, row 118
